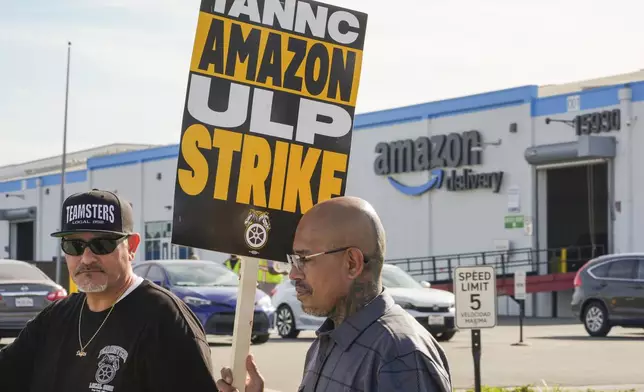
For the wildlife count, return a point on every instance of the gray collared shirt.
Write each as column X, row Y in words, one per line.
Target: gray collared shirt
column 380, row 348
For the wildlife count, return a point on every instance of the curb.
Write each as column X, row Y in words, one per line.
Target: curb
column 623, row 387
column 569, row 388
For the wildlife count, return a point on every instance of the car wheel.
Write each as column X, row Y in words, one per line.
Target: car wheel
column 285, row 323
column 445, row 336
column 259, row 339
column 596, row 320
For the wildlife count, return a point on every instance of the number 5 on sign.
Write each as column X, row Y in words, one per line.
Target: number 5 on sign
column 476, row 302
column 475, row 292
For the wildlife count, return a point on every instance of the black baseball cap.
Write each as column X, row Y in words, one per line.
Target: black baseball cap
column 96, row 211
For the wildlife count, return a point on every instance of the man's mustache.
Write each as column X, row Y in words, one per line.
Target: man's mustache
column 302, row 286
column 90, row 268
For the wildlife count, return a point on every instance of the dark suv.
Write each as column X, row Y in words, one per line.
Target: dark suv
column 609, row 291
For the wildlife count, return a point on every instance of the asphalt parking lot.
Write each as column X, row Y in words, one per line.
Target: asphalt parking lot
column 559, row 353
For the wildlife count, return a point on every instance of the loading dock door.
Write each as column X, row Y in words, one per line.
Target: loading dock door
column 17, row 233
column 25, row 241
column 591, row 152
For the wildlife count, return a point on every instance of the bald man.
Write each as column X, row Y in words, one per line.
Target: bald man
column 367, row 343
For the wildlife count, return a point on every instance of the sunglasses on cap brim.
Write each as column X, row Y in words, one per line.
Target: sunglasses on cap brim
column 99, row 246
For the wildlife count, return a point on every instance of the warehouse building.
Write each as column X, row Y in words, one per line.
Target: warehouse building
column 499, row 175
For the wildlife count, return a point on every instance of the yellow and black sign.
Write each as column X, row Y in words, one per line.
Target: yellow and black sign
column 267, row 122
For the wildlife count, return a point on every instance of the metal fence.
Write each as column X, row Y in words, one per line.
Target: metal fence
column 440, row 269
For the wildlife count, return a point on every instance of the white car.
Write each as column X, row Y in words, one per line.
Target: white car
column 433, row 308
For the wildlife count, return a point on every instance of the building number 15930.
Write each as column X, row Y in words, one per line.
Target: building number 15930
column 475, row 302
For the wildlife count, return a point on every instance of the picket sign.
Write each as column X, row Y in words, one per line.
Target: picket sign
column 266, row 132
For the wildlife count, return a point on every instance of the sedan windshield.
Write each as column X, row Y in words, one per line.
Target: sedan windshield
column 200, row 274
column 20, row 272
column 394, row 277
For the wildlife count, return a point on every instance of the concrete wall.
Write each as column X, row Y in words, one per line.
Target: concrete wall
column 405, row 218
column 441, row 222
column 636, row 175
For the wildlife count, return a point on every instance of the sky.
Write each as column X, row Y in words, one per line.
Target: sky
column 130, row 60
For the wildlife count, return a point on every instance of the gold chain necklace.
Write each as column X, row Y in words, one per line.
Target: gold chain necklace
column 81, row 353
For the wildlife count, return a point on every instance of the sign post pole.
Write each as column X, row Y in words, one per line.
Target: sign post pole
column 243, row 326
column 520, row 297
column 476, row 353
column 476, row 303
column 521, row 314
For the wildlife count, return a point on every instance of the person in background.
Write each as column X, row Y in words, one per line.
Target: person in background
column 267, row 276
column 367, row 343
column 233, row 264
column 121, row 332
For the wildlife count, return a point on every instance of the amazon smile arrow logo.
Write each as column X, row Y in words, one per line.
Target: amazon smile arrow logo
column 434, row 182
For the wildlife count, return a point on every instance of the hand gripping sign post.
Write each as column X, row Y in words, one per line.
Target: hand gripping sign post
column 266, row 131
column 475, row 292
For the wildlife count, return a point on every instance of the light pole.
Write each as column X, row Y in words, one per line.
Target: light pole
column 64, row 162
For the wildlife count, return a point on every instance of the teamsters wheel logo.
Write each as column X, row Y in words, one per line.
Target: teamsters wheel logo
column 257, row 227
column 109, row 363
column 105, row 373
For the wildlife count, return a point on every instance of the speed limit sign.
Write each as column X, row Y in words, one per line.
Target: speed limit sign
column 475, row 292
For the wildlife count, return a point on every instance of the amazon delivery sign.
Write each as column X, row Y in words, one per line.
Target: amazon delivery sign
column 443, row 156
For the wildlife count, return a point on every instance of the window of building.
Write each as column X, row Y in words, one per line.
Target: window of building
column 158, row 246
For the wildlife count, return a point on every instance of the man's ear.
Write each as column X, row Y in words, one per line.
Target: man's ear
column 356, row 263
column 133, row 242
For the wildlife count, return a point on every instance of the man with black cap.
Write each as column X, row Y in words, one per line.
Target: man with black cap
column 120, row 333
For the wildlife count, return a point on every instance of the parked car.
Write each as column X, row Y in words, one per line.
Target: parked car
column 609, row 292
column 433, row 308
column 210, row 290
column 25, row 290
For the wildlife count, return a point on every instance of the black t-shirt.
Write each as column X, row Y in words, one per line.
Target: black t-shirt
column 151, row 342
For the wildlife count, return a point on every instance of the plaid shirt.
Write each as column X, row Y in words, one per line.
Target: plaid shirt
column 380, row 348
